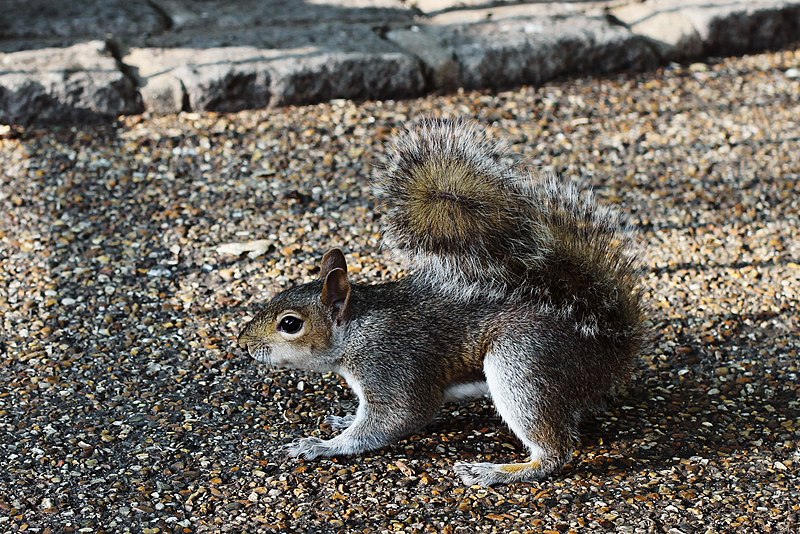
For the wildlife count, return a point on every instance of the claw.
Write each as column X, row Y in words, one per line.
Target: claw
column 307, row 448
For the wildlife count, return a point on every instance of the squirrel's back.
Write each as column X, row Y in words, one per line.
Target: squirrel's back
column 474, row 224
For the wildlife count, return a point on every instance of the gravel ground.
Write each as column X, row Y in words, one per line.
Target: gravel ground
column 125, row 406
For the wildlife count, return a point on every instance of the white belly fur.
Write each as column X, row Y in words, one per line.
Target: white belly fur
column 467, row 390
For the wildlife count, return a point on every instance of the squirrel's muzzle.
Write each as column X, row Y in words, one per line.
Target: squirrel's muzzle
column 248, row 335
column 246, row 340
column 254, row 346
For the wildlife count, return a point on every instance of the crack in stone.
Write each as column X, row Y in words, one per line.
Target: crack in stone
column 166, row 20
column 115, row 49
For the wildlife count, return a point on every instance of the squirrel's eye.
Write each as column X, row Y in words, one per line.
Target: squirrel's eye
column 290, row 324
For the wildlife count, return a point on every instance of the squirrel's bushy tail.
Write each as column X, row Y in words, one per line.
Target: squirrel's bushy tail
column 474, row 224
column 454, row 207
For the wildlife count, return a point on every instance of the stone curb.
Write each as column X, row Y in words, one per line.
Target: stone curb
column 217, row 63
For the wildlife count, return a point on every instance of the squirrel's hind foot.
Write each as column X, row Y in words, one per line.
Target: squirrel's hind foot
column 489, row 474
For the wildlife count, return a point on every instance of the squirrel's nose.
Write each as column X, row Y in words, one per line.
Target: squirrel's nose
column 249, row 343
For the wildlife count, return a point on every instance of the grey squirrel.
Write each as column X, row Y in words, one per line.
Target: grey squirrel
column 520, row 285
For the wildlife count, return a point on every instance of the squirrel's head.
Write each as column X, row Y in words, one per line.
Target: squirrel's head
column 298, row 327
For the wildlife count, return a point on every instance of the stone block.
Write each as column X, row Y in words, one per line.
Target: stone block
column 278, row 66
column 354, row 75
column 506, row 52
column 78, row 83
column 737, row 28
column 681, row 30
column 211, row 79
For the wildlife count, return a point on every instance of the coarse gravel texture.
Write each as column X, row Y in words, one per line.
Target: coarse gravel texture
column 124, row 405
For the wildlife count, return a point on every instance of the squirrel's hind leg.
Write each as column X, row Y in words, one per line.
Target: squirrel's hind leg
column 533, row 406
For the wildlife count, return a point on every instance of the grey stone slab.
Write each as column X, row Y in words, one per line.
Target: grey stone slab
column 220, row 14
column 680, row 29
column 78, row 83
column 745, row 27
column 280, row 66
column 213, row 79
column 500, row 53
column 23, row 22
column 346, row 75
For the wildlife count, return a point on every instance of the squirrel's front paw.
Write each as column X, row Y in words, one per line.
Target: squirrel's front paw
column 308, row 448
column 340, row 423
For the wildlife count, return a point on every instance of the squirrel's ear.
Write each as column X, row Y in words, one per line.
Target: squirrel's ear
column 336, row 293
column 333, row 259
